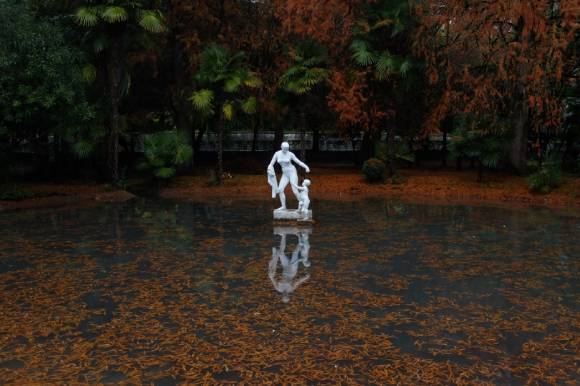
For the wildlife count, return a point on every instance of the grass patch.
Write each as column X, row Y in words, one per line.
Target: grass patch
column 14, row 193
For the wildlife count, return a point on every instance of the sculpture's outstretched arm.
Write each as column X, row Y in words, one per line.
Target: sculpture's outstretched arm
column 300, row 163
column 271, row 165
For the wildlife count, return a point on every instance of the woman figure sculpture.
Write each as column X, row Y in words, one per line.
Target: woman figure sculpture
column 284, row 157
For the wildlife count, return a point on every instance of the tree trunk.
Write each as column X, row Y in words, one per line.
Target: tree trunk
column 390, row 153
column 315, row 140
column 519, row 146
column 365, row 147
column 303, row 136
column 255, row 135
column 479, row 171
column 220, row 150
column 278, row 135
column 444, row 150
column 114, row 85
column 196, row 141
column 181, row 108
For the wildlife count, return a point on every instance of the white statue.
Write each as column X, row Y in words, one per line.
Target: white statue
column 284, row 157
column 303, row 199
column 288, row 283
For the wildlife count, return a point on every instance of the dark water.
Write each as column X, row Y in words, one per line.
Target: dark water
column 375, row 292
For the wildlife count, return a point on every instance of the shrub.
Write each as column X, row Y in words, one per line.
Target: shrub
column 546, row 178
column 374, row 170
column 164, row 151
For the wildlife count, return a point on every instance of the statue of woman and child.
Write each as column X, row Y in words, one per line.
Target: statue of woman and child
column 284, row 158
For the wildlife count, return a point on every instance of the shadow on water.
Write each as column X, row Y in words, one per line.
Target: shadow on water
column 168, row 292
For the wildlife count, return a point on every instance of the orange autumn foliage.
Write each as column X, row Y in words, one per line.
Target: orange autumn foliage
column 493, row 58
column 329, row 21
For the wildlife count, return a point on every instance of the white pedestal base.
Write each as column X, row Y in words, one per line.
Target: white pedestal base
column 292, row 214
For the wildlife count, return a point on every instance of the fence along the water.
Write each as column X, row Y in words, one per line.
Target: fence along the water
column 240, row 141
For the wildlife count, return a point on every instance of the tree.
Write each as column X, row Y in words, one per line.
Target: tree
column 500, row 59
column 42, row 89
column 243, row 25
column 224, row 78
column 372, row 91
column 301, row 80
column 112, row 24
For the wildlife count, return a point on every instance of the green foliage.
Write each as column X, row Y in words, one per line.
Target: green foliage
column 117, row 11
column 202, row 101
column 488, row 148
column 398, row 151
column 42, row 86
column 14, row 193
column 374, row 170
column 478, row 140
column 164, row 152
column 307, row 69
column 380, row 21
column 224, row 79
column 547, row 177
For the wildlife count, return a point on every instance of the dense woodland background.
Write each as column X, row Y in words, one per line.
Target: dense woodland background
column 109, row 89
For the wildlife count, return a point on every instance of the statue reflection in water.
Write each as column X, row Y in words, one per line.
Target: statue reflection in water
column 289, row 280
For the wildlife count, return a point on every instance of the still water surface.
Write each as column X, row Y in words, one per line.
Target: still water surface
column 169, row 292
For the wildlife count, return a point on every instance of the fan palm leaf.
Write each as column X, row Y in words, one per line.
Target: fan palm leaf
column 361, row 53
column 114, row 14
column 151, row 21
column 228, row 110
column 249, row 105
column 87, row 16
column 202, row 101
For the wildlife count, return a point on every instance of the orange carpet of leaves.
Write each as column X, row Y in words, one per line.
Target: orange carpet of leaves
column 425, row 186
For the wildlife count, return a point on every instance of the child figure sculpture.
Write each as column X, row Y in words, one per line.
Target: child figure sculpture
column 303, row 199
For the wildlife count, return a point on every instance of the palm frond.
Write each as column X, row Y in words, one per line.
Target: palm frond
column 385, row 65
column 89, row 73
column 228, row 110
column 99, row 44
column 83, row 148
column 252, row 81
column 152, row 21
column 86, row 16
column 404, row 68
column 361, row 53
column 114, row 14
column 249, row 106
column 202, row 101
column 233, row 83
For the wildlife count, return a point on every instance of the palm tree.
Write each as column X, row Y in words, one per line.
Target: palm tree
column 382, row 21
column 376, row 47
column 301, row 79
column 111, row 23
column 224, row 79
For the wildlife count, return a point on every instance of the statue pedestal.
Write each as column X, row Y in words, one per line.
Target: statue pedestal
column 292, row 215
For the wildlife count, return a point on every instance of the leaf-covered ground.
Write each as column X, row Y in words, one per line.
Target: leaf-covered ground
column 168, row 292
column 433, row 186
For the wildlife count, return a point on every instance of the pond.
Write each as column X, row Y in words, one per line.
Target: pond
column 168, row 292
